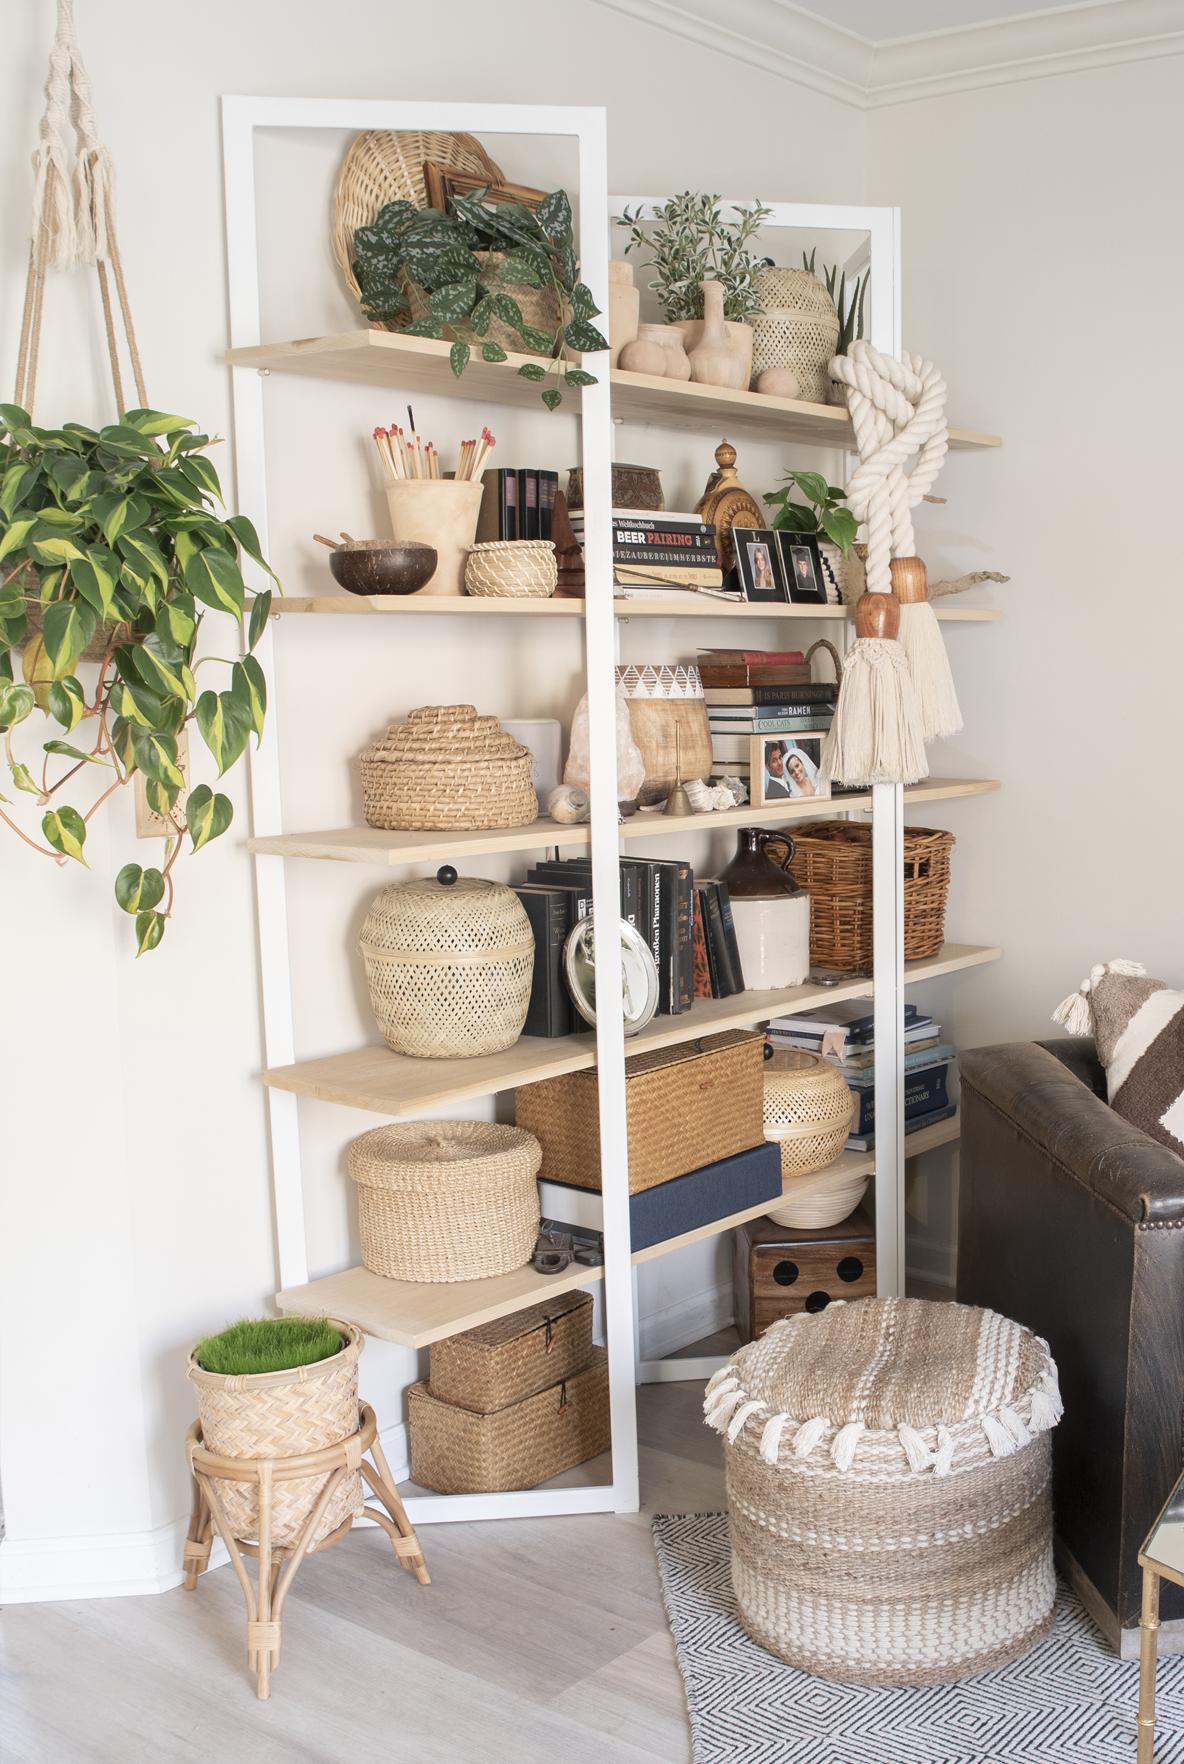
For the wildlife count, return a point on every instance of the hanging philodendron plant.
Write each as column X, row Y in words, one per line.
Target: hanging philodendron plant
column 110, row 548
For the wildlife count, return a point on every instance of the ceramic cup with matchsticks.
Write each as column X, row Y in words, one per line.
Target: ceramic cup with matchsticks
column 429, row 508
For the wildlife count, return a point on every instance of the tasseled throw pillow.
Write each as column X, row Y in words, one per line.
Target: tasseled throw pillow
column 1138, row 1029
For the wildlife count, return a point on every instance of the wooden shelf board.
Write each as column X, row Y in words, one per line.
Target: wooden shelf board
column 384, row 358
column 394, row 1084
column 706, row 608
column 476, row 606
column 370, row 845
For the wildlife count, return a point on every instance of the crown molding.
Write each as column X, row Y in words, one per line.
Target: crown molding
column 791, row 43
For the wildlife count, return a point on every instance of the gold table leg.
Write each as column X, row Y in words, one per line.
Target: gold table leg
column 1148, row 1637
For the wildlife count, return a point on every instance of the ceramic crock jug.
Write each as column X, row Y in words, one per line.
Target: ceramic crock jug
column 771, row 910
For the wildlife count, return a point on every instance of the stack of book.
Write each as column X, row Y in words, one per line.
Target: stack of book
column 737, row 713
column 661, row 555
column 845, row 1034
column 753, row 667
column 518, row 503
column 689, row 930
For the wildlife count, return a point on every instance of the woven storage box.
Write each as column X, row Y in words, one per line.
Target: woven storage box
column 833, row 861
column 447, row 770
column 455, row 1451
column 513, row 569
column 798, row 329
column 283, row 1415
column 448, row 965
column 684, row 1107
column 888, row 1473
column 808, row 1110
column 500, row 1363
column 446, row 1200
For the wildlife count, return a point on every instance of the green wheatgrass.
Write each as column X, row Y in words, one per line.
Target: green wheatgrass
column 268, row 1344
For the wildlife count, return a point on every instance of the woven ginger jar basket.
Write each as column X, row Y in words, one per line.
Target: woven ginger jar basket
column 797, row 328
column 447, row 770
column 446, row 1200
column 448, row 962
column 888, row 1468
column 284, row 1415
column 808, row 1109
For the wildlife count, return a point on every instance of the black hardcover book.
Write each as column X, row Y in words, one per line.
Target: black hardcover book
column 698, row 558
column 678, row 932
column 723, row 973
column 731, row 946
column 658, row 927
column 703, row 895
column 548, row 489
column 797, row 692
column 508, row 502
column 528, row 503
column 571, row 871
column 549, row 1011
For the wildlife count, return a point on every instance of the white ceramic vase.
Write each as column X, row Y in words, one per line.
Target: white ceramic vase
column 774, row 939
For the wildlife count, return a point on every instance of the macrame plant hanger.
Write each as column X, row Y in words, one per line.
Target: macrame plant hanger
column 73, row 215
column 895, row 695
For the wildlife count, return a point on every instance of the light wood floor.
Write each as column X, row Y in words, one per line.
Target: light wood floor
column 540, row 1641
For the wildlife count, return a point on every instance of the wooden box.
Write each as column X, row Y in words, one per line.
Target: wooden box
column 779, row 1271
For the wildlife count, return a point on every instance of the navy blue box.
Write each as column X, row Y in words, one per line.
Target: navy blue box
column 684, row 1204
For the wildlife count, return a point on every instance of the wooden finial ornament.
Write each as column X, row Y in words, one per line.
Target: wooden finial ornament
column 877, row 615
column 910, row 580
column 725, row 503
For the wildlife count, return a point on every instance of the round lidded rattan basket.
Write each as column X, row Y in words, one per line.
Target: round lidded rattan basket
column 807, row 1110
column 833, row 860
column 515, row 569
column 284, row 1415
column 446, row 769
column 797, row 328
column 446, row 1200
column 448, row 962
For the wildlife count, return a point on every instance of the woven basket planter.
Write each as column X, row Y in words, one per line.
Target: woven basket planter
column 514, row 569
column 807, row 1109
column 446, row 1200
column 448, row 966
column 283, row 1415
column 499, row 1363
column 797, row 329
column 447, row 770
column 684, row 1107
column 833, row 861
column 888, row 1471
column 455, row 1451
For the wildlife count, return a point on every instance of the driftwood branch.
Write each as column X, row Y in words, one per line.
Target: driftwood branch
column 959, row 583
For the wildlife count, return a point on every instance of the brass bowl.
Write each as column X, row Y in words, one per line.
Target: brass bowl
column 374, row 567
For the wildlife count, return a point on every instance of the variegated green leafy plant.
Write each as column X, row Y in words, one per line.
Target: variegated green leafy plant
column 111, row 549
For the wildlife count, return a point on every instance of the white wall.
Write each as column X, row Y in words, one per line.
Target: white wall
column 137, row 1205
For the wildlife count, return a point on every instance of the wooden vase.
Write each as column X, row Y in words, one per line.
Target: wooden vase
column 624, row 308
column 646, row 354
column 714, row 361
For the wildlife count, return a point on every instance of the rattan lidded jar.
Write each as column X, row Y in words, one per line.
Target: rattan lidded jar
column 448, row 962
column 447, row 769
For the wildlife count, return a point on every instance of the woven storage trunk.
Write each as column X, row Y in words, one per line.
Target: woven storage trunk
column 684, row 1107
column 833, row 861
column 888, row 1471
column 283, row 1415
column 500, row 1363
column 446, row 1200
column 455, row 1451
column 449, row 965
column 447, row 770
column 808, row 1110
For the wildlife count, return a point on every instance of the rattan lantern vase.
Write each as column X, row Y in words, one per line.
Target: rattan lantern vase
column 448, row 962
column 447, row 769
column 808, row 1110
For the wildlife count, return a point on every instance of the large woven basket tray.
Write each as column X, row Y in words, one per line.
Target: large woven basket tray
column 283, row 1415
column 447, row 769
column 446, row 1200
column 833, row 861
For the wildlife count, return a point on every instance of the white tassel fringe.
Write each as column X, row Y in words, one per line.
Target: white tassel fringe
column 725, row 1376
column 943, row 1457
column 999, row 1439
column 1016, row 1426
column 809, row 1435
column 1047, row 1407
column 771, row 1438
column 719, row 1413
column 1075, row 1013
column 915, row 1449
column 876, row 735
column 929, row 665
column 845, row 1441
column 741, row 1416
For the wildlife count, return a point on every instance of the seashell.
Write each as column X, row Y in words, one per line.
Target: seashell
column 568, row 805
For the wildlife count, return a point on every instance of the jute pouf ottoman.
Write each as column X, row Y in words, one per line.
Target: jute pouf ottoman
column 888, row 1489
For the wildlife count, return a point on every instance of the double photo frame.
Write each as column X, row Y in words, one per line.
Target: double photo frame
column 777, row 566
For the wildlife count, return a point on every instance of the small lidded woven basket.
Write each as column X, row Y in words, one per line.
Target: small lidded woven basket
column 515, row 569
column 446, row 1200
column 448, row 962
column 447, row 770
column 797, row 328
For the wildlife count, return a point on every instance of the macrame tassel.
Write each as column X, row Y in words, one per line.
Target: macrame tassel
column 876, row 734
column 846, row 1439
column 915, row 1449
column 771, row 1438
column 1047, row 1407
column 719, row 1413
column 809, row 1435
column 1075, row 1012
column 925, row 649
column 725, row 1376
column 943, row 1457
column 1016, row 1426
column 741, row 1416
column 998, row 1438
column 1135, row 970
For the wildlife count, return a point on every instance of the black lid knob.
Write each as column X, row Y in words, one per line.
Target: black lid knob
column 446, row 875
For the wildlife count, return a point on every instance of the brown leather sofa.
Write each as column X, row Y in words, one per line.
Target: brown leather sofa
column 1072, row 1221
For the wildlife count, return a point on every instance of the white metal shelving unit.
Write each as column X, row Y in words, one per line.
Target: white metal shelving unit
column 376, row 1079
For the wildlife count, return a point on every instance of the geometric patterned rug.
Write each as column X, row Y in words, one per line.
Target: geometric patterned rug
column 1067, row 1701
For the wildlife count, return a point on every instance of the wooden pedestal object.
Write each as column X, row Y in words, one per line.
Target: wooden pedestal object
column 277, row 1566
column 779, row 1272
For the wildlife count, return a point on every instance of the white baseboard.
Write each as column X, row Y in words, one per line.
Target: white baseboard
column 690, row 1319
column 117, row 1565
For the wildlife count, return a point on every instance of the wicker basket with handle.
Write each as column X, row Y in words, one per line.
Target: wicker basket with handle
column 500, row 1363
column 455, row 1451
column 808, row 1110
column 833, row 861
column 446, row 1200
column 283, row 1415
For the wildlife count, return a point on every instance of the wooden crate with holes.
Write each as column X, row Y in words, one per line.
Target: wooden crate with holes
column 779, row 1271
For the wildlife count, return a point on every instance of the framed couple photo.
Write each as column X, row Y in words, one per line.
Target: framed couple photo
column 778, row 566
column 783, row 767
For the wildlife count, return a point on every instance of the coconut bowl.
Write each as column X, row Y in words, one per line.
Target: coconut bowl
column 375, row 567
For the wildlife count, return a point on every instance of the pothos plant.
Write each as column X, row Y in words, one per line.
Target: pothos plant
column 411, row 258
column 822, row 510
column 689, row 242
column 110, row 548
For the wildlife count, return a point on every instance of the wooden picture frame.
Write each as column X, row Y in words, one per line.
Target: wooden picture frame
column 443, row 182
column 801, row 568
column 759, row 570
column 796, row 770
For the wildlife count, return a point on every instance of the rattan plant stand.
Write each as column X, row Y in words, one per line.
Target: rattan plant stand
column 278, row 1564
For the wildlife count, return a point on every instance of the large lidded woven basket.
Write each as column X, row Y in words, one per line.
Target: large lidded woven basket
column 797, row 328
column 833, row 862
column 448, row 962
column 888, row 1472
column 283, row 1415
column 446, row 769
column 446, row 1200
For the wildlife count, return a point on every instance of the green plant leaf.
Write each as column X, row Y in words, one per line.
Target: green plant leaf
column 53, row 548
column 811, row 484
column 524, row 268
column 840, row 527
column 95, row 577
column 155, row 422
column 458, row 358
column 144, row 556
column 257, row 623
column 207, row 815
column 67, row 701
column 201, row 475
column 23, row 778
column 68, row 627
column 552, row 398
column 583, row 306
column 16, row 703
column 13, row 617
column 149, row 931
column 161, row 798
column 453, row 301
column 65, row 830
column 577, row 377
column 15, row 534
column 584, row 336
column 542, row 342
column 507, row 309
column 137, row 889
column 214, row 577
column 248, row 538
column 119, row 514
column 248, row 682
column 225, row 722
column 74, row 753
column 492, row 352
column 176, row 620
column 156, row 757
column 158, row 671
column 16, row 482
column 68, row 472
column 553, row 215
column 533, row 370
column 123, row 740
